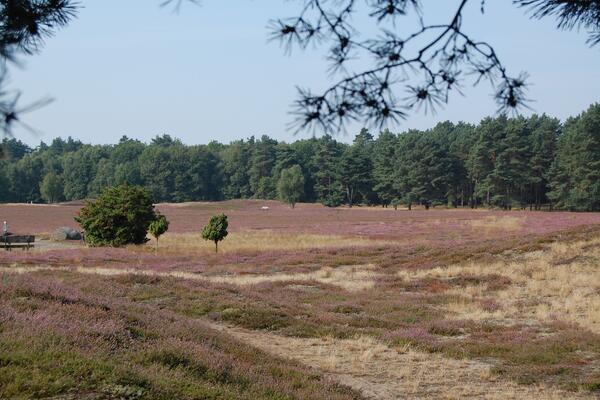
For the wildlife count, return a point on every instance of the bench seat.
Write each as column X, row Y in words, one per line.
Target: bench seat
column 17, row 241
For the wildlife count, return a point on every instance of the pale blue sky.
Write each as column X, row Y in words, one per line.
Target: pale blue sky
column 208, row 73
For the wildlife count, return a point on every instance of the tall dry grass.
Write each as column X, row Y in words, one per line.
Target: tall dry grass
column 349, row 277
column 561, row 282
column 381, row 372
column 494, row 223
column 260, row 240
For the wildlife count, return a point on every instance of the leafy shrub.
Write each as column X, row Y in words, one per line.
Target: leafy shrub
column 216, row 229
column 159, row 226
column 121, row 215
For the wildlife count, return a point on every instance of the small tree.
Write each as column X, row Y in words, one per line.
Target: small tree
column 121, row 215
column 216, row 229
column 51, row 187
column 291, row 185
column 159, row 226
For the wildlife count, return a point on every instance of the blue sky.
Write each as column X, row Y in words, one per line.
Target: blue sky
column 208, row 73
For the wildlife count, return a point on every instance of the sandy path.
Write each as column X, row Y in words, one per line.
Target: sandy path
column 383, row 373
column 376, row 370
column 45, row 244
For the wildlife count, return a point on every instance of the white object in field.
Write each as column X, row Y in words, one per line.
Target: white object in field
column 264, row 208
column 5, row 228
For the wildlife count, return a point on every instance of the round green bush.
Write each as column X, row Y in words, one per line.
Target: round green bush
column 121, row 215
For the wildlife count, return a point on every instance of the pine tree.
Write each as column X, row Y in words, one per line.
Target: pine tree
column 262, row 161
column 409, row 178
column 456, row 141
column 575, row 173
column 510, row 177
column 482, row 158
column 327, row 186
column 285, row 157
column 544, row 134
column 384, row 154
column 235, row 159
column 355, row 168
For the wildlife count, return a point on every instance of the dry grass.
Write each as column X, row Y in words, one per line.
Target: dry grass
column 560, row 282
column 405, row 318
column 260, row 240
column 381, row 372
column 349, row 277
column 495, row 223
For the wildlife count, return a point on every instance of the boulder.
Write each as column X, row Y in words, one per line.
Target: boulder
column 66, row 233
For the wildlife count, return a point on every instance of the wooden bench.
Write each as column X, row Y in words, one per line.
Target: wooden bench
column 10, row 242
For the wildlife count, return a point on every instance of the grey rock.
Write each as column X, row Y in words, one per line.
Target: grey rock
column 66, row 233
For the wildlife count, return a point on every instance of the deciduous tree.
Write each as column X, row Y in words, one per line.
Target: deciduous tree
column 216, row 230
column 51, row 188
column 291, row 185
column 158, row 227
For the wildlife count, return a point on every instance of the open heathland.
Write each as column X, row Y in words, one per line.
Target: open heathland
column 365, row 222
column 305, row 303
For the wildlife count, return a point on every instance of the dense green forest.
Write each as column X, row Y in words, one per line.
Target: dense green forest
column 502, row 162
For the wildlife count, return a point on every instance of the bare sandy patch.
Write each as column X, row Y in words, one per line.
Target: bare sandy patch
column 381, row 372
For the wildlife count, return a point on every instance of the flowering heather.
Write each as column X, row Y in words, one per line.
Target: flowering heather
column 414, row 335
column 517, row 289
column 408, row 226
column 58, row 341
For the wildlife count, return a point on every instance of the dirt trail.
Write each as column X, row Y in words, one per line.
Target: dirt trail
column 376, row 370
column 380, row 372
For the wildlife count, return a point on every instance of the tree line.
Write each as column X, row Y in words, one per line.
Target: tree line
column 501, row 162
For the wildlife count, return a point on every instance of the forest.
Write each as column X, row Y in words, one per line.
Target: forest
column 536, row 162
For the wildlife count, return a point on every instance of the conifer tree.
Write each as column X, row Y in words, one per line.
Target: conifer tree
column 383, row 167
column 575, row 174
column 262, row 162
column 544, row 134
column 327, row 186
